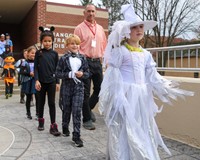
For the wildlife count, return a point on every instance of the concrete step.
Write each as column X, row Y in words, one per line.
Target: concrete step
column 16, row 89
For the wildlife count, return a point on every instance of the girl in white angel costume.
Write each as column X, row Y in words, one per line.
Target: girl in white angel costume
column 126, row 96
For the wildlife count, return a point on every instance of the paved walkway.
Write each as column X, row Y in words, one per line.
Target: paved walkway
column 20, row 139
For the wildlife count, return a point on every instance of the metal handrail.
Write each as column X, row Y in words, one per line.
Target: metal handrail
column 183, row 58
column 191, row 46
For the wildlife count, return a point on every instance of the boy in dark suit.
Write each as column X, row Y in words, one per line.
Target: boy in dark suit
column 72, row 68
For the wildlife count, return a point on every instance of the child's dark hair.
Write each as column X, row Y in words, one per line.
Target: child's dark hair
column 46, row 32
column 7, row 47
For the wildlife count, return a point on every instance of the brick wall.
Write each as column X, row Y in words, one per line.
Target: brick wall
column 29, row 28
column 27, row 33
column 66, row 22
column 41, row 16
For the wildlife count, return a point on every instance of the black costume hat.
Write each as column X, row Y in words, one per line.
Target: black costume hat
column 51, row 29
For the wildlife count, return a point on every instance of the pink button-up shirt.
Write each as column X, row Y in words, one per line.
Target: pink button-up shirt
column 89, row 32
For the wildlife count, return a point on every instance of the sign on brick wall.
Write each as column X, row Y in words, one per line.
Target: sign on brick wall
column 59, row 41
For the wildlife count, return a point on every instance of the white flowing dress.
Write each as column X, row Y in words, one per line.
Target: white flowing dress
column 127, row 102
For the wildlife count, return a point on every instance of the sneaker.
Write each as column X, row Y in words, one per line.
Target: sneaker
column 54, row 129
column 29, row 117
column 78, row 142
column 88, row 125
column 10, row 95
column 22, row 101
column 7, row 96
column 93, row 117
column 66, row 132
column 41, row 124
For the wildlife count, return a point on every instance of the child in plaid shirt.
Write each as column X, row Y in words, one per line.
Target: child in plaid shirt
column 72, row 68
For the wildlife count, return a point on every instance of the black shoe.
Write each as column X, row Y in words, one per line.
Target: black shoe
column 22, row 101
column 78, row 142
column 66, row 132
column 54, row 129
column 41, row 124
column 29, row 117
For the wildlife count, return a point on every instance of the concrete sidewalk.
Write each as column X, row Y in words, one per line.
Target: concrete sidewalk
column 20, row 139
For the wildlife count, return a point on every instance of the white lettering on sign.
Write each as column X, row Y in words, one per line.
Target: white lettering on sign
column 56, row 45
column 59, row 40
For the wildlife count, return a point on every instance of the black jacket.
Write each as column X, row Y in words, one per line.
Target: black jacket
column 63, row 67
column 45, row 66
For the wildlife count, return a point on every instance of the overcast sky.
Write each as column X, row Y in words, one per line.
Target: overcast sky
column 76, row 2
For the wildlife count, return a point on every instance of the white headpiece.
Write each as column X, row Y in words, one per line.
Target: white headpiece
column 130, row 16
column 121, row 29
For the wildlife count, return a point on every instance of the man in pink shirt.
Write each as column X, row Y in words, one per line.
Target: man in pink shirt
column 93, row 43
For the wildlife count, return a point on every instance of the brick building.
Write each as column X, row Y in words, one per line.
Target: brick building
column 22, row 18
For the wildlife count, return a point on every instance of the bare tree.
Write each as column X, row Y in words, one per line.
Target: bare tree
column 114, row 7
column 174, row 17
column 196, row 31
column 85, row 2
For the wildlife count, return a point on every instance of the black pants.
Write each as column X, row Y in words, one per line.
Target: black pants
column 48, row 89
column 29, row 98
column 96, row 78
column 9, row 88
column 22, row 94
column 72, row 103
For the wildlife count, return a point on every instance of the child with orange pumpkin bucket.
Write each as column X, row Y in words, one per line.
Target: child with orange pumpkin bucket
column 9, row 75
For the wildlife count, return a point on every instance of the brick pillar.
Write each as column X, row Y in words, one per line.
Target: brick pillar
column 41, row 16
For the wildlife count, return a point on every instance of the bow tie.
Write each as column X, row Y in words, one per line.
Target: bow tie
column 73, row 54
